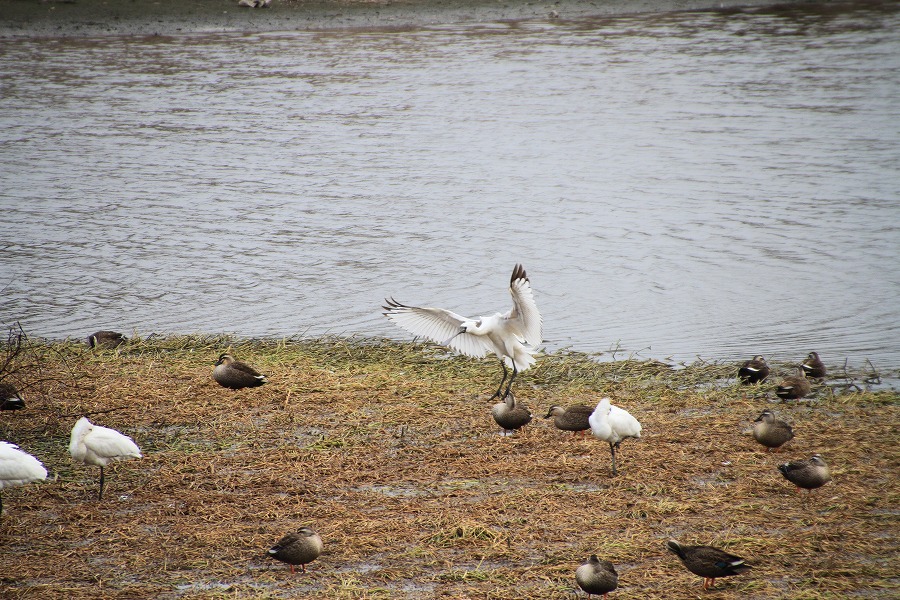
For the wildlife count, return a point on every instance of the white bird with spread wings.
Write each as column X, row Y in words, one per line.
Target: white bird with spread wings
column 513, row 337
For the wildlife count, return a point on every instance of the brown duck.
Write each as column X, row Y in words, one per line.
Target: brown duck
column 807, row 474
column 106, row 339
column 510, row 415
column 574, row 418
column 754, row 370
column 235, row 375
column 298, row 548
column 813, row 366
column 10, row 398
column 708, row 562
column 771, row 432
column 597, row 576
column 793, row 387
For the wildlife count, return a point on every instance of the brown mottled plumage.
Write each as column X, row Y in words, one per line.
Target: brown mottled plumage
column 754, row 370
column 813, row 366
column 510, row 415
column 793, row 387
column 807, row 474
column 574, row 418
column 10, row 398
column 298, row 548
column 106, row 339
column 597, row 576
column 235, row 375
column 708, row 562
column 770, row 432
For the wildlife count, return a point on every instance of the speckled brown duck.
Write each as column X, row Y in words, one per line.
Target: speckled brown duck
column 510, row 415
column 574, row 418
column 106, row 339
column 754, row 370
column 596, row 576
column 813, row 366
column 793, row 387
column 235, row 375
column 298, row 548
column 807, row 474
column 771, row 432
column 708, row 562
column 10, row 399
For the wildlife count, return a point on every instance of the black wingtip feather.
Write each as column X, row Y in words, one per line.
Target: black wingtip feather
column 518, row 273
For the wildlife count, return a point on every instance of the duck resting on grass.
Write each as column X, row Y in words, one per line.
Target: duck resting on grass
column 513, row 336
column 235, row 375
column 510, row 415
column 708, row 562
column 807, row 474
column 793, row 387
column 574, row 418
column 596, row 576
column 813, row 366
column 298, row 548
column 753, row 370
column 771, row 432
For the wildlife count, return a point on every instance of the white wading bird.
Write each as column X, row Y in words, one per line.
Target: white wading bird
column 513, row 336
column 95, row 445
column 613, row 424
column 18, row 468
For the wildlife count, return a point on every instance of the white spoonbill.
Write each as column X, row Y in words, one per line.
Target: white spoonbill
column 18, row 468
column 513, row 336
column 95, row 445
column 613, row 425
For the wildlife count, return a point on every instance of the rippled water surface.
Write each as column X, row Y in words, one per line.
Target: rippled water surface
column 697, row 184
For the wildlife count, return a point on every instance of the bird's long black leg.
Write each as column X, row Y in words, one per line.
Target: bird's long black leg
column 612, row 450
column 100, row 497
column 511, row 379
column 502, row 381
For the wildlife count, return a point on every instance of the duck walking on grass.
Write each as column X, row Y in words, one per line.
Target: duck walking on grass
column 235, row 375
column 513, row 336
column 807, row 474
column 298, row 548
column 92, row 444
column 18, row 468
column 813, row 366
column 596, row 576
column 574, row 418
column 753, row 370
column 771, row 432
column 613, row 425
column 10, row 398
column 708, row 562
column 510, row 415
column 793, row 387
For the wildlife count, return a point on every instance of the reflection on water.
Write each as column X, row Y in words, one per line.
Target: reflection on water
column 713, row 184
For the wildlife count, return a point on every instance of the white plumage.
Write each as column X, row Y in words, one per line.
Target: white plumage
column 95, row 445
column 613, row 425
column 513, row 336
column 18, row 468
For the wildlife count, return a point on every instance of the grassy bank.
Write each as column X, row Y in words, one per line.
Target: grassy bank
column 389, row 451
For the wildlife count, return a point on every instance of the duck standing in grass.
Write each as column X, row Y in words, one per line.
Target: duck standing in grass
column 813, row 366
column 574, row 418
column 106, row 339
column 708, row 562
column 10, row 398
column 510, row 415
column 807, row 474
column 298, row 548
column 18, row 468
column 613, row 425
column 793, row 387
column 596, row 576
column 753, row 370
column 771, row 432
column 95, row 445
column 235, row 375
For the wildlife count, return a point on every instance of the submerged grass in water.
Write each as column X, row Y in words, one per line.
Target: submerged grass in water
column 389, row 451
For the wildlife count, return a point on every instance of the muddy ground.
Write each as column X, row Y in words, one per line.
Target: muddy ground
column 390, row 452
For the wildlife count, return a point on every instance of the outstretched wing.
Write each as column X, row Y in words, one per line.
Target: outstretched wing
column 524, row 311
column 437, row 325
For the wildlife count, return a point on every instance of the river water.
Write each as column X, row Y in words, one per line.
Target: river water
column 703, row 184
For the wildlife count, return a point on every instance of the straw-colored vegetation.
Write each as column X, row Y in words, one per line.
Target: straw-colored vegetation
column 390, row 452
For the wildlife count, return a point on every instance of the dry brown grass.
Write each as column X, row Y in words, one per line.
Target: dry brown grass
column 389, row 451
